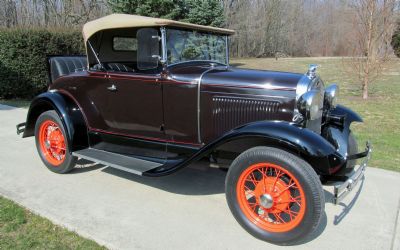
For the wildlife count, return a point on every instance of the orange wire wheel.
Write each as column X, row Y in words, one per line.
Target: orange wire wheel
column 52, row 142
column 271, row 197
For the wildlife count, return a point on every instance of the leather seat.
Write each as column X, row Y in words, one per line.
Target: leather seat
column 119, row 67
column 65, row 65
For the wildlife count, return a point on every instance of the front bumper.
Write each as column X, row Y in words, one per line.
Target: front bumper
column 21, row 128
column 343, row 189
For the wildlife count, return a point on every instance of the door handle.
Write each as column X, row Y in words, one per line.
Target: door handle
column 112, row 88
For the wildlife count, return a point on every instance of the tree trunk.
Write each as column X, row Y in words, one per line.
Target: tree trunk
column 365, row 88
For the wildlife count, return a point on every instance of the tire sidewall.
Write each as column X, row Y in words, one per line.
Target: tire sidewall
column 262, row 156
column 69, row 160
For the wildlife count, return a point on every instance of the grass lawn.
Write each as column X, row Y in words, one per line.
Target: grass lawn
column 20, row 229
column 19, row 103
column 381, row 112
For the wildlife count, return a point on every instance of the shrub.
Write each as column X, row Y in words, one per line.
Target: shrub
column 23, row 52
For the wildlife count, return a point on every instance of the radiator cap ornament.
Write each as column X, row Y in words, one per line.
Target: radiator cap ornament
column 312, row 71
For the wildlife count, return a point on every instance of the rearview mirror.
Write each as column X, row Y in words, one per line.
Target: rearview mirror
column 148, row 53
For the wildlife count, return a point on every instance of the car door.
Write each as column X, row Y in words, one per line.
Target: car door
column 136, row 105
column 124, row 97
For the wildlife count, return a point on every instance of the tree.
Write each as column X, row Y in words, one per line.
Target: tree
column 172, row 9
column 396, row 41
column 50, row 13
column 204, row 12
column 373, row 26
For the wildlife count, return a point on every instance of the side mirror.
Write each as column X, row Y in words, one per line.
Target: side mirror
column 148, row 53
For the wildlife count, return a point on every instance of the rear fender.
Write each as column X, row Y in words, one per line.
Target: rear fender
column 69, row 113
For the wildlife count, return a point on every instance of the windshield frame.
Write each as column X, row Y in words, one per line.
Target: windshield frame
column 164, row 58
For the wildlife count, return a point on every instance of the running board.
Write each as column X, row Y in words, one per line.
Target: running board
column 114, row 160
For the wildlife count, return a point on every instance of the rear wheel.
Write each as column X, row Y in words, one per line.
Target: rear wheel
column 52, row 143
column 274, row 195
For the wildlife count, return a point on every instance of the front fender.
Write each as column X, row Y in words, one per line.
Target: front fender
column 350, row 115
column 69, row 113
column 338, row 133
column 310, row 146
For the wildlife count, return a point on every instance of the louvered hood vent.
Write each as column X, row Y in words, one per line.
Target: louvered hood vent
column 231, row 112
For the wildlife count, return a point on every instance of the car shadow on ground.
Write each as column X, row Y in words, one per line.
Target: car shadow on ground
column 196, row 179
column 346, row 207
column 200, row 179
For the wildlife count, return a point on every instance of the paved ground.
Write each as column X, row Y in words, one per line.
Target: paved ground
column 183, row 211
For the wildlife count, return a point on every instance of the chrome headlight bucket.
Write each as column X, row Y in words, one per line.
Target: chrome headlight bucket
column 330, row 96
column 309, row 105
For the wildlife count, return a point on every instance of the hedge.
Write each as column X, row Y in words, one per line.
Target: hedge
column 23, row 66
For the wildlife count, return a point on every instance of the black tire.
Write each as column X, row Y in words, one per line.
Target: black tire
column 351, row 150
column 68, row 162
column 300, row 170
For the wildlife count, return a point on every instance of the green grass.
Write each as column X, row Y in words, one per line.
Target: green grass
column 19, row 103
column 20, row 229
column 381, row 112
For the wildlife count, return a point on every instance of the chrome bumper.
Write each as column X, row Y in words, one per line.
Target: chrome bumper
column 343, row 189
column 21, row 128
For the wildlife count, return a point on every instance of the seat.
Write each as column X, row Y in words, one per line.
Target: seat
column 65, row 65
column 119, row 67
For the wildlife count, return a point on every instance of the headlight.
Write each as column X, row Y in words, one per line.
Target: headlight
column 330, row 96
column 309, row 104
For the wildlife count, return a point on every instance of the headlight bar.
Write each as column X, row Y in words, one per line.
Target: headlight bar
column 330, row 96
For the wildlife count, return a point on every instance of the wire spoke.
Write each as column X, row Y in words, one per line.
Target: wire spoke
column 289, row 201
column 279, row 218
column 289, row 212
column 253, row 205
column 278, row 176
column 292, row 185
column 249, row 191
column 55, row 147
column 253, row 179
column 296, row 200
column 264, row 177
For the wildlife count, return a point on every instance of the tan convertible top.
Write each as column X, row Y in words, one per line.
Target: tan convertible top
column 126, row 21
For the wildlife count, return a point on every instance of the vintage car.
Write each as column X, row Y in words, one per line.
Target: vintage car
column 154, row 95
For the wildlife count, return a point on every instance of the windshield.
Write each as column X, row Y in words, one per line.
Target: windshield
column 185, row 45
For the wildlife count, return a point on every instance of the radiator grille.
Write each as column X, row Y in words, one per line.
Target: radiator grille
column 231, row 112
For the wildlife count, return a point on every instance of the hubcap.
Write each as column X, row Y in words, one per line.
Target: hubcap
column 271, row 197
column 266, row 200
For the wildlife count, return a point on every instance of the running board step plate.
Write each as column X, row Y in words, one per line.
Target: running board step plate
column 114, row 160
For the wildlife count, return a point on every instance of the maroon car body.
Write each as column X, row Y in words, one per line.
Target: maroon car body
column 153, row 114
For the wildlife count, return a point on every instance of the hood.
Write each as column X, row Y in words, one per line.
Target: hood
column 236, row 78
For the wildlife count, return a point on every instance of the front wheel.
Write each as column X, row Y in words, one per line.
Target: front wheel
column 274, row 195
column 52, row 143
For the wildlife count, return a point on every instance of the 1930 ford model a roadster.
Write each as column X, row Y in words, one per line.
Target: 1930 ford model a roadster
column 155, row 95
